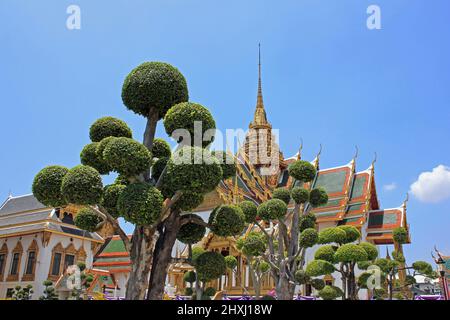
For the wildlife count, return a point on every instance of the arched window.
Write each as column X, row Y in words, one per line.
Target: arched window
column 30, row 267
column 3, row 256
column 16, row 258
column 55, row 265
column 70, row 256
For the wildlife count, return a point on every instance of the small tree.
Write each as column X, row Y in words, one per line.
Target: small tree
column 49, row 291
column 24, row 293
column 209, row 266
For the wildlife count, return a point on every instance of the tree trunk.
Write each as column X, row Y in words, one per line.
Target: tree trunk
column 256, row 284
column 141, row 260
column 162, row 256
column 285, row 290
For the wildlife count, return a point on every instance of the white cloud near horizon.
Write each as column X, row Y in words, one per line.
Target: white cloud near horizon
column 390, row 186
column 432, row 186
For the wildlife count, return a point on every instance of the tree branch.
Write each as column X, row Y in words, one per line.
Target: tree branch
column 116, row 227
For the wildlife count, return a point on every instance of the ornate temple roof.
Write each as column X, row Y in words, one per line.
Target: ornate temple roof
column 113, row 256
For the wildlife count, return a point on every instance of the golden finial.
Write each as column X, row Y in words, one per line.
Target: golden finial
column 260, row 117
column 300, row 149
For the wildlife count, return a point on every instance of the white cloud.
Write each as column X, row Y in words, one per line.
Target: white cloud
column 390, row 186
column 432, row 186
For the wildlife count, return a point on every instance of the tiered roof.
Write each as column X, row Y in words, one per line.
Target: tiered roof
column 113, row 256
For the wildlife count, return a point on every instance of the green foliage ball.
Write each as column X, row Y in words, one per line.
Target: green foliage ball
column 228, row 221
column 351, row 232
column 82, row 185
column 101, row 146
column 308, row 238
column 272, row 209
column 109, row 127
column 47, row 186
column 87, row 219
column 227, row 163
column 249, row 209
column 127, row 156
column 190, row 276
column 210, row 291
column 196, row 252
column 330, row 293
column 231, row 262
column 90, row 157
column 154, row 86
column 371, row 250
column 302, row 170
column 400, row 235
column 332, row 235
column 189, row 200
column 301, row 277
column 140, row 203
column 210, row 265
column 306, row 221
column 188, row 291
column 282, row 194
column 422, row 267
column 193, row 169
column 191, row 232
column 325, row 253
column 318, row 197
column 263, row 266
column 161, row 148
column 111, row 194
column 318, row 284
column 300, row 195
column 253, row 244
column 184, row 116
column 319, row 268
column 398, row 256
column 351, row 253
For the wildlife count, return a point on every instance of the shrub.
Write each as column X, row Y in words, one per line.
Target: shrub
column 308, row 238
column 47, row 186
column 282, row 194
column 228, row 221
column 318, row 284
column 351, row 233
column 184, row 116
column 111, row 195
column 127, row 156
column 302, row 170
column 87, row 219
column 109, row 127
column 371, row 250
column 249, row 209
column 154, row 86
column 325, row 253
column 330, row 293
column 300, row 195
column 351, row 253
column 140, row 203
column 318, row 197
column 161, row 148
column 227, row 163
column 332, row 235
column 82, row 185
column 191, row 232
column 210, row 265
column 301, row 277
column 319, row 268
column 272, row 209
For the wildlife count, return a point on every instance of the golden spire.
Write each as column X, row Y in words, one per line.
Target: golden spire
column 260, row 118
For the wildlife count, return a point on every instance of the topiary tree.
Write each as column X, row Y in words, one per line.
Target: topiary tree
column 209, row 266
column 154, row 186
column 49, row 291
column 24, row 293
column 285, row 249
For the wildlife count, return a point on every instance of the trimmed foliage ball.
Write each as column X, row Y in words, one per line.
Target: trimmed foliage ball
column 158, row 167
column 188, row 291
column 301, row 277
column 350, row 253
column 111, row 195
column 196, row 252
column 318, row 268
column 227, row 163
column 325, row 253
column 253, row 244
column 210, row 291
column 330, row 293
column 300, row 195
column 308, row 238
column 188, row 201
column 371, row 250
column 161, row 148
column 400, row 235
column 140, row 203
column 272, row 209
column 101, row 146
column 210, row 265
column 193, row 169
column 302, row 171
column 82, row 185
column 87, row 219
column 189, row 277
column 306, row 221
column 228, row 221
column 109, row 127
column 282, row 194
column 352, row 233
column 191, row 232
column 90, row 157
column 47, row 186
column 318, row 197
column 249, row 209
column 231, row 262
column 154, row 86
column 184, row 116
column 317, row 284
column 127, row 156
column 423, row 267
column 332, row 235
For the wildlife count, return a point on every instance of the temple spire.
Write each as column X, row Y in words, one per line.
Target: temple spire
column 260, row 118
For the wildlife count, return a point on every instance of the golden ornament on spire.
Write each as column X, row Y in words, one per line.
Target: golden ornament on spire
column 260, row 118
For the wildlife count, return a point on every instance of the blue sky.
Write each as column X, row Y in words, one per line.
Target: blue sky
column 326, row 78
